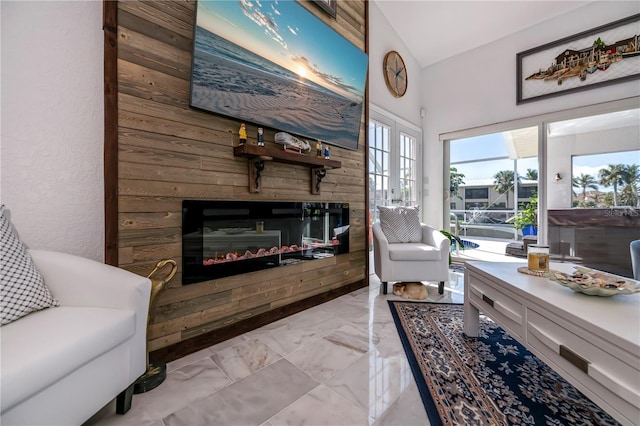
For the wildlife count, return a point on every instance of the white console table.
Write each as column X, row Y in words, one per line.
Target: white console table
column 593, row 342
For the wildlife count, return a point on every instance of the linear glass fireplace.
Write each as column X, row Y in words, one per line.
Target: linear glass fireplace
column 224, row 238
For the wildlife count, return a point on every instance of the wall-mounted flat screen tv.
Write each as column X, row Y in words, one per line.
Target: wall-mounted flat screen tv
column 275, row 64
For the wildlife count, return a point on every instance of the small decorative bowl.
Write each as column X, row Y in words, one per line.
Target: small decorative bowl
column 622, row 285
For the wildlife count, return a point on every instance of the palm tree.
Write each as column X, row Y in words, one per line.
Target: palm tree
column 531, row 174
column 612, row 176
column 503, row 181
column 608, row 199
column 455, row 180
column 599, row 44
column 597, row 198
column 631, row 181
column 627, row 197
column 583, row 182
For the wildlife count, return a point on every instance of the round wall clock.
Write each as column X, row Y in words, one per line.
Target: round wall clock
column 395, row 73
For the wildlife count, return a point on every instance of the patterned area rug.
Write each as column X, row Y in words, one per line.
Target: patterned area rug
column 488, row 380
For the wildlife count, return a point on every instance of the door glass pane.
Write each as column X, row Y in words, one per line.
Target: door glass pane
column 593, row 181
column 491, row 179
column 379, row 172
column 393, row 165
column 408, row 170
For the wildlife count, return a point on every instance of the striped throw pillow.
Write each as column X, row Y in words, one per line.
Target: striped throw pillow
column 401, row 224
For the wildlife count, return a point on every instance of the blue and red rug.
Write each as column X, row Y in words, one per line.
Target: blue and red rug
column 488, row 380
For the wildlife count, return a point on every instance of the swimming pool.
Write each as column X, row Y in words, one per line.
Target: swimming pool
column 466, row 244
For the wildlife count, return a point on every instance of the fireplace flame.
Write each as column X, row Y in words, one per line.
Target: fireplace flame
column 262, row 252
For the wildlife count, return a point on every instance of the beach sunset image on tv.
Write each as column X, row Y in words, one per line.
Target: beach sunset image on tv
column 275, row 64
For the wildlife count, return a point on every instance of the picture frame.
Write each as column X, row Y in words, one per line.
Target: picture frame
column 264, row 66
column 329, row 6
column 608, row 54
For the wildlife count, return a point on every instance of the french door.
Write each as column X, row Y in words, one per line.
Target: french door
column 394, row 163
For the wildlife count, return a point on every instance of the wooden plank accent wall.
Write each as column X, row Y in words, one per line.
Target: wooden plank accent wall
column 168, row 152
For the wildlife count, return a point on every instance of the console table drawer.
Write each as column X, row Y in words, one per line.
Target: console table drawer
column 497, row 304
column 602, row 371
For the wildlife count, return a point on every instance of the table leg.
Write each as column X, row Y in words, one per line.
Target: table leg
column 471, row 325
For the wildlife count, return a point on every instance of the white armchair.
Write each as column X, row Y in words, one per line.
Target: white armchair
column 422, row 261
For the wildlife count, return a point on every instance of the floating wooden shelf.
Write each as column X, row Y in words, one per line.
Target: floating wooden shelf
column 257, row 155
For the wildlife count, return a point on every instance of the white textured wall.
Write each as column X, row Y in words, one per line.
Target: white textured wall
column 52, row 123
column 382, row 39
column 478, row 88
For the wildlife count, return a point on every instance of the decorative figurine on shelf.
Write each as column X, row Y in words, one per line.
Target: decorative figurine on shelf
column 290, row 142
column 260, row 136
column 242, row 133
column 327, row 154
column 319, row 149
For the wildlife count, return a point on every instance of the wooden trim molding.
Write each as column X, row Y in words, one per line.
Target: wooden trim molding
column 367, row 218
column 110, row 28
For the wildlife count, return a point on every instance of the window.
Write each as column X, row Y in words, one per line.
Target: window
column 394, row 166
column 606, row 180
column 408, row 169
column 527, row 191
column 379, row 163
column 593, row 208
column 476, row 193
column 394, row 169
column 489, row 170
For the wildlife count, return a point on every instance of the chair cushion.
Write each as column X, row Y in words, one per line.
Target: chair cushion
column 413, row 251
column 22, row 288
column 401, row 224
column 47, row 345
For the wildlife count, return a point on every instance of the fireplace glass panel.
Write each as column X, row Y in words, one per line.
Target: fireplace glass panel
column 224, row 238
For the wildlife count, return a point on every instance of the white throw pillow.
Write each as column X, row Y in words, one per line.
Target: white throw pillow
column 401, row 224
column 22, row 288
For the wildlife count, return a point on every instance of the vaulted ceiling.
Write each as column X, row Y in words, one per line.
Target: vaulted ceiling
column 436, row 30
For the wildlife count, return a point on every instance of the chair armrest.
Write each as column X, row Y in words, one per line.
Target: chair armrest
column 435, row 238
column 380, row 238
column 78, row 281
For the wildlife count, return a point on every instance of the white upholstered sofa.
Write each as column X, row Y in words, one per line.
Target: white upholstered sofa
column 61, row 365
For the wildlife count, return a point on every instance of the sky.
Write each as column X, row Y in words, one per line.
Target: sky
column 292, row 37
column 486, row 146
column 493, row 145
column 591, row 164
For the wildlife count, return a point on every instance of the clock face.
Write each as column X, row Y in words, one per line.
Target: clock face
column 395, row 74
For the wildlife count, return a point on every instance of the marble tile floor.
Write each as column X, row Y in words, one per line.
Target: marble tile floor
column 339, row 363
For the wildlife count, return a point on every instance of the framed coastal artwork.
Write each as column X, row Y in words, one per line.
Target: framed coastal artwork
column 597, row 57
column 328, row 6
column 275, row 64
